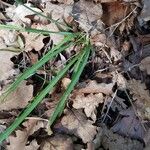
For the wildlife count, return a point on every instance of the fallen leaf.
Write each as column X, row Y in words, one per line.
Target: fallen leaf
column 114, row 141
column 20, row 14
column 129, row 125
column 87, row 14
column 19, row 142
column 77, row 124
column 59, row 142
column 65, row 82
column 94, row 87
column 6, row 70
column 68, row 2
column 113, row 12
column 19, row 98
column 89, row 103
column 142, row 97
column 33, row 41
column 145, row 65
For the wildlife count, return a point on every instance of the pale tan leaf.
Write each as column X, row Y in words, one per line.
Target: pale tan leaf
column 33, row 41
column 145, row 65
column 59, row 142
column 19, row 98
column 89, row 103
column 19, row 141
column 142, row 97
column 94, row 87
column 6, row 69
column 77, row 124
column 20, row 13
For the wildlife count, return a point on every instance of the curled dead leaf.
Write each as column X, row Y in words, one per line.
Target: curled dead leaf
column 60, row 142
column 89, row 103
column 145, row 65
column 77, row 124
column 19, row 98
column 142, row 97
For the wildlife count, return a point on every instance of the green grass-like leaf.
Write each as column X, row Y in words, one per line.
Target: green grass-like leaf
column 49, row 56
column 78, row 70
column 36, row 101
column 32, row 30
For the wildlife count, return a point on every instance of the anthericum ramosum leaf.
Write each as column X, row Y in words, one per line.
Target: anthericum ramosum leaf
column 80, row 66
column 4, row 135
column 27, row 29
column 50, row 55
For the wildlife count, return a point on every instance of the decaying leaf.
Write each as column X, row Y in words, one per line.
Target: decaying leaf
column 88, row 15
column 145, row 65
column 19, row 98
column 77, row 124
column 33, row 41
column 59, row 141
column 94, row 87
column 20, row 13
column 142, row 97
column 129, row 125
column 6, row 69
column 89, row 103
column 20, row 140
column 109, row 140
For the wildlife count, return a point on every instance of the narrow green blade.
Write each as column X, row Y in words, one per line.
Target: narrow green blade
column 36, row 101
column 79, row 68
column 53, row 52
column 27, row 29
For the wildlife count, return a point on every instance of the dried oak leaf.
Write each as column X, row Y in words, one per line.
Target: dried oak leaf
column 59, row 142
column 142, row 97
column 19, row 142
column 68, row 2
column 88, row 15
column 6, row 69
column 20, row 13
column 89, row 103
column 19, row 98
column 129, row 125
column 145, row 65
column 33, row 41
column 77, row 123
column 94, row 87
column 116, row 142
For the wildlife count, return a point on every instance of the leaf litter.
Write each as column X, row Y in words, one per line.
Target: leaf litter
column 109, row 108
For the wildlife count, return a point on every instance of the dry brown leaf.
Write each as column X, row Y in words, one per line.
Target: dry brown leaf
column 59, row 142
column 98, row 39
column 115, row 54
column 142, row 97
column 19, row 98
column 94, row 87
column 65, row 82
column 88, row 15
column 77, row 124
column 33, row 41
column 6, row 69
column 145, row 13
column 113, row 12
column 145, row 65
column 19, row 14
column 68, row 2
column 89, row 103
column 19, row 141
column 50, row 27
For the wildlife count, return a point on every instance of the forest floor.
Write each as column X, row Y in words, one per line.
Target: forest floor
column 109, row 108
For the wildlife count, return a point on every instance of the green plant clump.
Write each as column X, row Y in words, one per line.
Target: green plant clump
column 77, row 63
